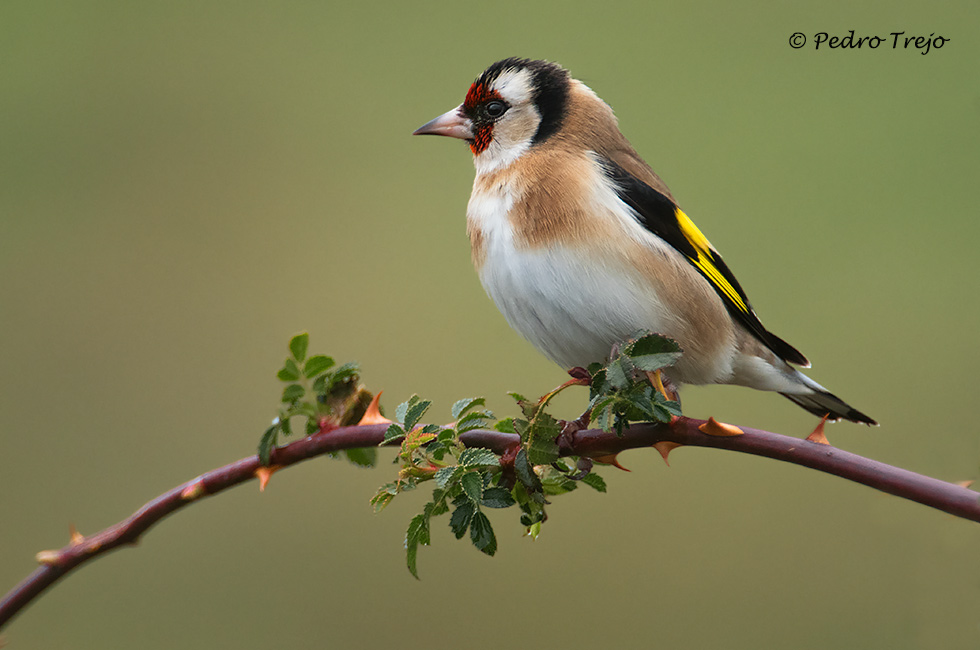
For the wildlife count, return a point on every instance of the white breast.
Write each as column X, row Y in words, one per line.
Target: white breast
column 570, row 305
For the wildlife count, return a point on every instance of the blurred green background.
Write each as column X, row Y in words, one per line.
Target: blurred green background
column 185, row 185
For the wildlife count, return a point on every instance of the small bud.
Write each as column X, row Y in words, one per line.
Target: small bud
column 193, row 491
column 48, row 557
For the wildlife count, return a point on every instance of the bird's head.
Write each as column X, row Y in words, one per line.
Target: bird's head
column 513, row 105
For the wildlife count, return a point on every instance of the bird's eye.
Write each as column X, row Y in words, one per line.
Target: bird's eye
column 495, row 109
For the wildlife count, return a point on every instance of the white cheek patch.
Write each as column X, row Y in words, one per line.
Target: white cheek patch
column 514, row 86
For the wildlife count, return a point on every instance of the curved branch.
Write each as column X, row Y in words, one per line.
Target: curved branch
column 934, row 493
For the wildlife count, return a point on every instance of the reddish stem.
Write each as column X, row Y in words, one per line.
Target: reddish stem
column 942, row 495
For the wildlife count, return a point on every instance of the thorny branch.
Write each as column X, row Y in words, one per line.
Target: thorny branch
column 593, row 443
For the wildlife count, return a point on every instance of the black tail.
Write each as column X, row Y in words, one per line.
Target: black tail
column 822, row 403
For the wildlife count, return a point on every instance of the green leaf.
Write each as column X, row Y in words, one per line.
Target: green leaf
column 653, row 362
column 534, row 530
column 481, row 534
column 298, row 345
column 525, row 473
column 289, row 371
column 293, row 392
column 320, row 384
column 363, row 456
column 268, row 443
column 594, row 481
column 414, row 411
column 505, row 426
column 648, row 343
column 316, row 364
column 472, row 484
column 542, row 451
column 528, row 408
column 437, row 450
column 460, row 520
column 473, row 420
column 393, row 432
column 616, row 374
column 497, row 497
column 464, row 405
column 445, row 475
column 345, row 372
column 417, row 533
column 478, row 457
column 439, row 505
column 384, row 496
column 555, row 483
column 669, row 406
column 602, row 414
column 541, row 446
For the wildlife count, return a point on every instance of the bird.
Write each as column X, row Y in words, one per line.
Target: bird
column 580, row 244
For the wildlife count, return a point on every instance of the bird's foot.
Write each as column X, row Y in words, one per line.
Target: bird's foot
column 664, row 386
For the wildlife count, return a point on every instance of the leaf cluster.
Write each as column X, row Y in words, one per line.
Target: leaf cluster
column 469, row 480
column 321, row 395
column 621, row 391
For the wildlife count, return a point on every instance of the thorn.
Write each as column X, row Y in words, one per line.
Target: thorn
column 75, row 536
column 373, row 413
column 609, row 459
column 48, row 558
column 665, row 447
column 193, row 491
column 965, row 484
column 715, row 428
column 818, row 436
column 264, row 474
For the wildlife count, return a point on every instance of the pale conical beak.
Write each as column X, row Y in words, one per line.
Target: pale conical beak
column 455, row 124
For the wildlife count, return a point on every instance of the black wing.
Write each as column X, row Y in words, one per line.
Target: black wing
column 662, row 217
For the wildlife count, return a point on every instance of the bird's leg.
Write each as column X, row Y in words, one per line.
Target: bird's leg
column 664, row 386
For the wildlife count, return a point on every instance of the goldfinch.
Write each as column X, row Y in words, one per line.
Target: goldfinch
column 580, row 243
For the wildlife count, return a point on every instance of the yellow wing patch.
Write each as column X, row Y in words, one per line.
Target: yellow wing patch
column 705, row 259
